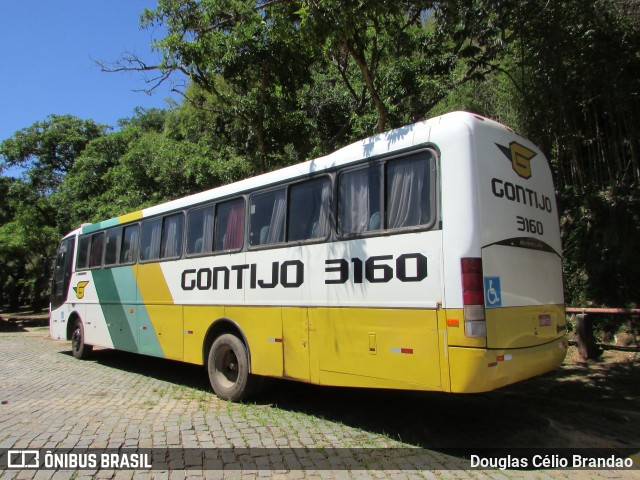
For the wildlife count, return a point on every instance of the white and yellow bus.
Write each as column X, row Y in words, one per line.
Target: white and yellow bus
column 425, row 258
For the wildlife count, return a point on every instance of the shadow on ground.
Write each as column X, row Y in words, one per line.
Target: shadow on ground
column 574, row 407
column 8, row 326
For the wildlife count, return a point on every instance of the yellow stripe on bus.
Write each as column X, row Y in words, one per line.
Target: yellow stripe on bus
column 165, row 317
column 130, row 217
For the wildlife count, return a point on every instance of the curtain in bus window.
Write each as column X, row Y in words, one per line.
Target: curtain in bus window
column 207, row 231
column 354, row 212
column 129, row 245
column 308, row 210
column 150, row 245
column 276, row 225
column 234, row 229
column 97, row 242
column 406, row 184
column 322, row 229
column 112, row 249
column 172, row 236
column 200, row 230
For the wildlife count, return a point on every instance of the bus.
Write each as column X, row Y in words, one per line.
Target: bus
column 425, row 258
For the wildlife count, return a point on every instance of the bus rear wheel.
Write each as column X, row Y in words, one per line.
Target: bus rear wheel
column 79, row 349
column 228, row 367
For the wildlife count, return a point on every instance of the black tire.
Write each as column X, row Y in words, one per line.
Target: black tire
column 79, row 349
column 228, row 367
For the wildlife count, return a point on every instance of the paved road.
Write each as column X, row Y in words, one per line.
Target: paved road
column 118, row 400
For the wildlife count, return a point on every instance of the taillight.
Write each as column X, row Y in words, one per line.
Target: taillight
column 473, row 297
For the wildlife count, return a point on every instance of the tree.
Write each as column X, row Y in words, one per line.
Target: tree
column 577, row 68
column 579, row 76
column 288, row 78
column 402, row 58
column 48, row 149
column 30, row 230
column 27, row 240
column 244, row 56
column 156, row 156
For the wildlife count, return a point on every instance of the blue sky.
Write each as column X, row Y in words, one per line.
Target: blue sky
column 47, row 50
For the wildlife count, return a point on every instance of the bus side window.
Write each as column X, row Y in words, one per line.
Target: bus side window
column 408, row 191
column 150, row 241
column 200, row 230
column 97, row 244
column 308, row 210
column 129, row 250
column 172, row 234
column 84, row 247
column 113, row 246
column 230, row 225
column 359, row 200
column 267, row 217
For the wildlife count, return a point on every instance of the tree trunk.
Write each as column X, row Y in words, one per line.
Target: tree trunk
column 368, row 75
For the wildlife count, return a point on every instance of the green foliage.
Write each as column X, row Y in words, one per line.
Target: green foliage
column 574, row 74
column 577, row 68
column 248, row 61
column 30, row 229
column 157, row 155
column 27, row 239
column 285, row 79
column 49, row 148
column 601, row 232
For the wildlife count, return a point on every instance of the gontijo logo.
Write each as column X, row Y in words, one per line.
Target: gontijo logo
column 79, row 289
column 520, row 157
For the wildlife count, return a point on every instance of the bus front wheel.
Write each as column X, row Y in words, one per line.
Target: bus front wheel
column 78, row 347
column 228, row 367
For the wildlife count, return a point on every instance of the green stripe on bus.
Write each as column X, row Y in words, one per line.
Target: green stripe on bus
column 125, row 283
column 121, row 324
column 100, row 225
column 130, row 330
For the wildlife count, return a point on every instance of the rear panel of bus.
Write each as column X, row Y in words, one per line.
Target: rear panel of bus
column 505, row 305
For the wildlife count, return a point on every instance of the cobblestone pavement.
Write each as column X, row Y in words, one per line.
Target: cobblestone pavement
column 119, row 400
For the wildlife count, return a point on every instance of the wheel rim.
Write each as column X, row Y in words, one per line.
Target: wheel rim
column 226, row 365
column 76, row 339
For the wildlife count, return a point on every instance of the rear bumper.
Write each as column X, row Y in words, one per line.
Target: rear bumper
column 475, row 370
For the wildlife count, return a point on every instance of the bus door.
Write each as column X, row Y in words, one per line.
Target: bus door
column 62, row 273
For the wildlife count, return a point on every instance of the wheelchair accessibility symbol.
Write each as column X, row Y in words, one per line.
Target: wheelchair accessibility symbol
column 492, row 292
